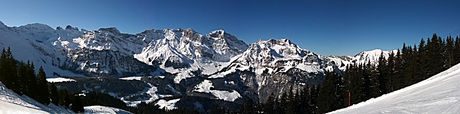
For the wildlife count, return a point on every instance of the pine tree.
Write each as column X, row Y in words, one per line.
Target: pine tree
column 407, row 64
column 13, row 73
column 382, row 75
column 283, row 101
column 54, row 96
column 305, row 100
column 456, row 51
column 269, row 105
column 367, row 81
column 277, row 106
column 314, row 90
column 42, row 88
column 77, row 105
column 22, row 73
column 32, row 84
column 64, row 98
column 327, row 100
column 449, row 53
column 354, row 84
column 434, row 53
column 290, row 103
column 390, row 72
column 3, row 64
column 9, row 71
column 398, row 72
column 374, row 90
column 413, row 65
column 423, row 60
column 249, row 107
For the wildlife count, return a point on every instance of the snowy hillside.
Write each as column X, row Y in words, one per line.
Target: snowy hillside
column 371, row 56
column 104, row 110
column 26, row 49
column 12, row 103
column 436, row 95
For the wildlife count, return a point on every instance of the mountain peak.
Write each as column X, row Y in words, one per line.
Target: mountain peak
column 276, row 42
column 218, row 34
column 113, row 30
column 2, row 25
column 68, row 27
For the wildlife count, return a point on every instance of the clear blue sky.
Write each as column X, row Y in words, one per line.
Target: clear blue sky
column 343, row 27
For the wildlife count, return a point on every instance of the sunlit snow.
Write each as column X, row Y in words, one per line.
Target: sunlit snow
column 206, row 87
column 54, row 80
column 168, row 105
column 439, row 94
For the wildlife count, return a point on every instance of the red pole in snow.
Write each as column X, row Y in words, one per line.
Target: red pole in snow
column 349, row 99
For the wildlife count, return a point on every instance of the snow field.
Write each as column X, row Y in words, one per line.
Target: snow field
column 96, row 109
column 55, row 80
column 169, row 105
column 206, row 85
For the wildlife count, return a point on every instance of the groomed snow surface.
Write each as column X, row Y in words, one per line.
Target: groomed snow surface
column 439, row 94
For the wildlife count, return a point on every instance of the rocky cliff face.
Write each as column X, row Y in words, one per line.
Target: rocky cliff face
column 274, row 66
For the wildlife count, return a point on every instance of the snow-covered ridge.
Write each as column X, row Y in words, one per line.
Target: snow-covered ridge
column 108, row 52
column 277, row 56
column 371, row 56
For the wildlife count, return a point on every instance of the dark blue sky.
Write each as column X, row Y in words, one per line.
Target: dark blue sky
column 326, row 27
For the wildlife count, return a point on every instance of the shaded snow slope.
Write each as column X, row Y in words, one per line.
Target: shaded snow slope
column 12, row 103
column 436, row 95
column 96, row 109
column 25, row 47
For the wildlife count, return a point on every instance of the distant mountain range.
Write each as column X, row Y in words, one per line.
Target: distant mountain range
column 174, row 63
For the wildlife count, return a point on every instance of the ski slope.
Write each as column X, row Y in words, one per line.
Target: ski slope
column 12, row 103
column 439, row 94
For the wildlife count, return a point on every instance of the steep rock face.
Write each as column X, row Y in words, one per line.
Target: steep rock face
column 274, row 66
column 184, row 51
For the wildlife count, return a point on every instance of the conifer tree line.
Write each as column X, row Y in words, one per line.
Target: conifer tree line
column 360, row 82
column 20, row 77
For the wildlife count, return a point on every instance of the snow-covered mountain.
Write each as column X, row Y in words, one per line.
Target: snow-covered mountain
column 436, row 95
column 371, row 56
column 107, row 52
column 172, row 63
column 274, row 66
